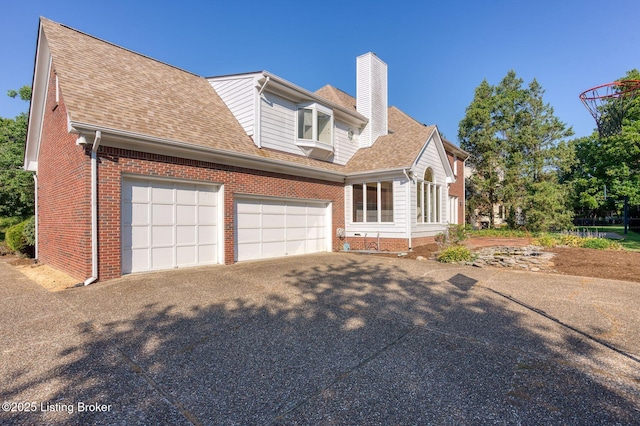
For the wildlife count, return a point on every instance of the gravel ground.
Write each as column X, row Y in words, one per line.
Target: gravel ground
column 324, row 339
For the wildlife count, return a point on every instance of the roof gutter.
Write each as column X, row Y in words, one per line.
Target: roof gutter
column 220, row 155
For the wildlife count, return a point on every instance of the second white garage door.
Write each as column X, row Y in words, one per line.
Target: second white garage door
column 274, row 228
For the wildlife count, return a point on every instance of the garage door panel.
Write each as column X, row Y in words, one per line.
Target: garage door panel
column 162, row 214
column 206, row 253
column 136, row 192
column 186, row 256
column 162, row 193
column 315, row 233
column 296, row 247
column 207, row 197
column 207, row 215
column 249, row 207
column 206, row 235
column 271, row 228
column 186, row 196
column 162, row 257
column 275, row 234
column 137, row 215
column 186, row 215
column 186, row 235
column 249, row 251
column 295, row 209
column 162, row 235
column 137, row 237
column 273, row 208
column 139, row 260
column 167, row 224
column 275, row 249
column 296, row 221
column 296, row 233
column 273, row 221
column 248, row 235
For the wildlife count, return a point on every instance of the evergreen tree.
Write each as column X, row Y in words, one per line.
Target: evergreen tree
column 513, row 127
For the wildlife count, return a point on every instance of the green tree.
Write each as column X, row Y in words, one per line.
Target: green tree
column 16, row 184
column 611, row 162
column 477, row 132
column 518, row 153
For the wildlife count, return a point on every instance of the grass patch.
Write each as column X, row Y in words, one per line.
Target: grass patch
column 630, row 241
column 553, row 240
column 500, row 233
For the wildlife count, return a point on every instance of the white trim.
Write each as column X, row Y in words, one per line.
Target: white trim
column 138, row 142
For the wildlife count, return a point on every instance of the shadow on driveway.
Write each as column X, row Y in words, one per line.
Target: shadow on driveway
column 348, row 340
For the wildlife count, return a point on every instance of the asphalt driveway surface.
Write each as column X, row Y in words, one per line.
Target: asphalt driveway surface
column 323, row 339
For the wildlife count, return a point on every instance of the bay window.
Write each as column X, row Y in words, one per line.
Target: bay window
column 315, row 123
column 372, row 202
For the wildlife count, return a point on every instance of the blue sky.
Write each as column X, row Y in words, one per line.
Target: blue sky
column 437, row 52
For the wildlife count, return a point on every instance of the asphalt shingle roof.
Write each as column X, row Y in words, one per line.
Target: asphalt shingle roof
column 105, row 85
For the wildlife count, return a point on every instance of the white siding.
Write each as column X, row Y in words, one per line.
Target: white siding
column 239, row 95
column 430, row 158
column 395, row 229
column 371, row 96
column 344, row 148
column 278, row 123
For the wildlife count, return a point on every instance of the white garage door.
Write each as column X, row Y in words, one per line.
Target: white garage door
column 168, row 225
column 275, row 228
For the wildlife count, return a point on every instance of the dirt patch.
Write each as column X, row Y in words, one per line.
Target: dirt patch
column 46, row 276
column 611, row 264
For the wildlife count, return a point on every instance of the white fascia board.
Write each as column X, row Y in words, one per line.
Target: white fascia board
column 435, row 136
column 145, row 143
column 40, row 84
column 282, row 87
column 375, row 175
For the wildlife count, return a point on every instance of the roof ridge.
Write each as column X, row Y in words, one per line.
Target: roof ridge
column 118, row 46
column 410, row 117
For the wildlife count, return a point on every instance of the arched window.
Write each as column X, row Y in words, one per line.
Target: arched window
column 428, row 195
column 428, row 175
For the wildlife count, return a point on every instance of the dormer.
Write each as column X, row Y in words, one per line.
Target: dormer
column 279, row 115
column 314, row 130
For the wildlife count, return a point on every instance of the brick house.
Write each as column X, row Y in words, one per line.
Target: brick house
column 142, row 166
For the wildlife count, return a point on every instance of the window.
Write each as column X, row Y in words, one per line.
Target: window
column 453, row 209
column 373, row 202
column 428, row 199
column 315, row 123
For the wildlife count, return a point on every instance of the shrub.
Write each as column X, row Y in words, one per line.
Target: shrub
column 29, row 231
column 570, row 240
column 21, row 237
column 455, row 254
column 599, row 244
column 546, row 240
column 14, row 238
column 7, row 222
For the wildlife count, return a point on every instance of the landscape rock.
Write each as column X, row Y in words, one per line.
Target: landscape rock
column 531, row 258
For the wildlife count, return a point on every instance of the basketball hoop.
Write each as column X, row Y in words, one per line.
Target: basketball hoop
column 608, row 104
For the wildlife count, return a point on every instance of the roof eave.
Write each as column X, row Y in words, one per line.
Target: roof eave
column 120, row 138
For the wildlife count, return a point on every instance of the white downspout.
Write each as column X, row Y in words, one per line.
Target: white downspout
column 35, row 184
column 94, row 209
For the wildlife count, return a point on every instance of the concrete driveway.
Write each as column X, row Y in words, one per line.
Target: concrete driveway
column 323, row 339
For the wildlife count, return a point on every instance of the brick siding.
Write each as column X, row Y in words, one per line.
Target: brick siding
column 64, row 211
column 456, row 189
column 235, row 180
